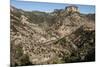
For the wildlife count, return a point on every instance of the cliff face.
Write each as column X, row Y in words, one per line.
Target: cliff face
column 59, row 37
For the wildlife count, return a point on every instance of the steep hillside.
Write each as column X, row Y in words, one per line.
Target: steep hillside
column 62, row 36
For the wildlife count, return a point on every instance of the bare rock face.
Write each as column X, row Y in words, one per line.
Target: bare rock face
column 72, row 9
column 68, row 39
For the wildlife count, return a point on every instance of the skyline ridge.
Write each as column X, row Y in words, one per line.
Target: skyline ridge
column 49, row 7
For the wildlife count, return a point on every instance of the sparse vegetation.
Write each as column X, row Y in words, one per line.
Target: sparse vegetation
column 51, row 38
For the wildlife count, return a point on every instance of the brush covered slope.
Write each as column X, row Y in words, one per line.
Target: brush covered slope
column 62, row 36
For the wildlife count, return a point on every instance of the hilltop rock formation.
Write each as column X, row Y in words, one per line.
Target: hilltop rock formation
column 62, row 36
